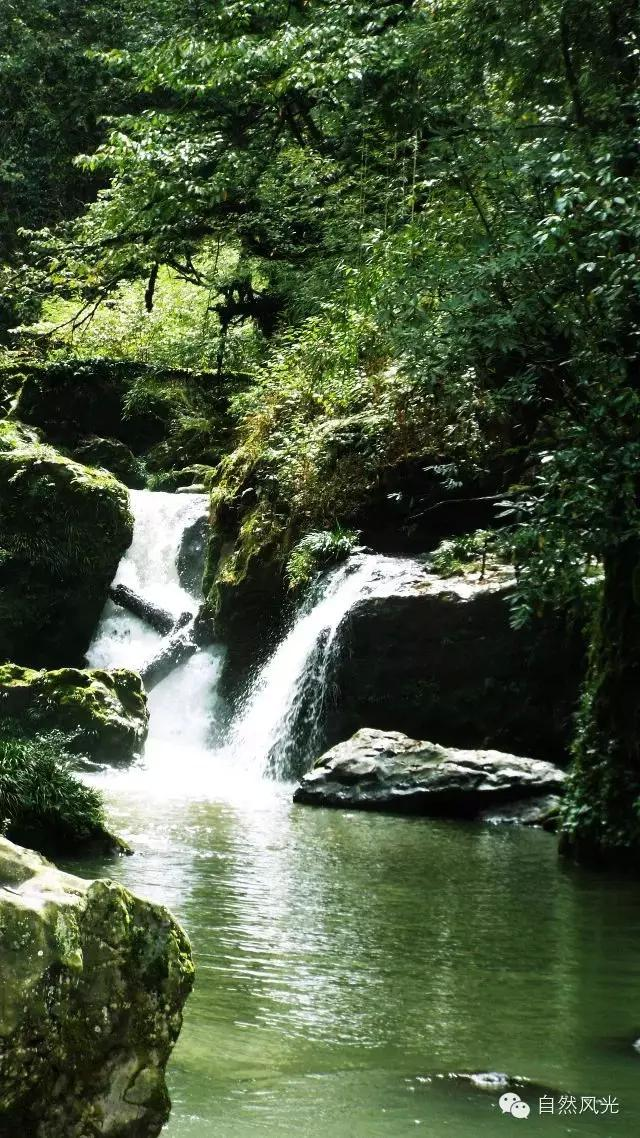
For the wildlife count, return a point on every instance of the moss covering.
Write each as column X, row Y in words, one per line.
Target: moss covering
column 94, row 982
column 172, row 418
column 114, row 456
column 601, row 816
column 63, row 530
column 101, row 714
column 197, row 475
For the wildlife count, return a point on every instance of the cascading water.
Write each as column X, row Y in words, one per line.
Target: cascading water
column 183, row 706
column 278, row 730
column 150, row 568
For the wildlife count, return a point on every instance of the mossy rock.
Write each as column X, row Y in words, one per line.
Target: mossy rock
column 94, row 981
column 68, row 399
column 114, row 456
column 197, row 475
column 174, row 417
column 63, row 529
column 245, row 586
column 101, row 714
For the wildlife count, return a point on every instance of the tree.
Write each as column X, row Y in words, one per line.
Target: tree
column 462, row 178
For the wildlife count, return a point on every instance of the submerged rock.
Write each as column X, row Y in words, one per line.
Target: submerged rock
column 102, row 714
column 378, row 770
column 94, row 981
column 63, row 530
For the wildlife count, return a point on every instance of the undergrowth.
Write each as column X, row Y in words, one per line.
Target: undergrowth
column 41, row 799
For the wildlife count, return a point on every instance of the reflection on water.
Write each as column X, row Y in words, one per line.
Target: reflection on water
column 344, row 958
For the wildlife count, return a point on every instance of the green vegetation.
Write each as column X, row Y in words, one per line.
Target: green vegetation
column 316, row 552
column 401, row 241
column 42, row 803
column 63, row 529
column 469, row 553
column 101, row 714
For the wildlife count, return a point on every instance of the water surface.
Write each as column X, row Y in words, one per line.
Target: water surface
column 349, row 964
column 344, row 960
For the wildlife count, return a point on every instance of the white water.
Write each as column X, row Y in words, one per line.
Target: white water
column 149, row 567
column 278, row 729
column 183, row 707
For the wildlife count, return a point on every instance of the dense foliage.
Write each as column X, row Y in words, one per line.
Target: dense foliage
column 42, row 802
column 424, row 219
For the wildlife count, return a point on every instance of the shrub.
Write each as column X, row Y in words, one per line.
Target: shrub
column 318, row 551
column 42, row 802
column 467, row 553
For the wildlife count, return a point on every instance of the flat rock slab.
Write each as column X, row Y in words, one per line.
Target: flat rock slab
column 385, row 770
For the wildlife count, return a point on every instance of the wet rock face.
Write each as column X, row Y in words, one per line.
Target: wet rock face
column 377, row 770
column 191, row 555
column 94, row 981
column 102, row 714
column 63, row 530
column 442, row 661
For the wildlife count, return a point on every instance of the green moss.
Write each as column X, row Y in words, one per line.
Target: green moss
column 198, row 474
column 101, row 714
column 114, row 456
column 601, row 813
column 63, row 530
column 94, row 981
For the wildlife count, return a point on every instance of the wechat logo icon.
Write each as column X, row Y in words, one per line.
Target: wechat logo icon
column 511, row 1103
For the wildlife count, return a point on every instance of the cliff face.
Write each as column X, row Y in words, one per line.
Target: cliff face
column 94, row 981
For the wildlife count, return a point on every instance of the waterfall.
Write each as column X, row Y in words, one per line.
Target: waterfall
column 183, row 705
column 150, row 568
column 279, row 727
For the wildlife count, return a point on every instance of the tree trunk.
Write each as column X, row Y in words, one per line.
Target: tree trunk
column 158, row 618
column 174, row 651
column 602, row 812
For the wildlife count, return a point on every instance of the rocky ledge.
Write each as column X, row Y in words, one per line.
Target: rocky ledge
column 385, row 770
column 101, row 714
column 94, row 981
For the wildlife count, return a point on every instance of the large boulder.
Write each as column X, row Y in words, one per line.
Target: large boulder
column 63, row 530
column 69, row 399
column 114, row 456
column 94, row 981
column 439, row 659
column 378, row 770
column 101, row 714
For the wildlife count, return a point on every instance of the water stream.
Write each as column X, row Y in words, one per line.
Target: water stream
column 278, row 727
column 349, row 964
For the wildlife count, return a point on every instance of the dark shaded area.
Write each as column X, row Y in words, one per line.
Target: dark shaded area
column 453, row 671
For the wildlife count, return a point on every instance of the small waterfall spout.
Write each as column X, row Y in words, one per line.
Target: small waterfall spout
column 279, row 728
